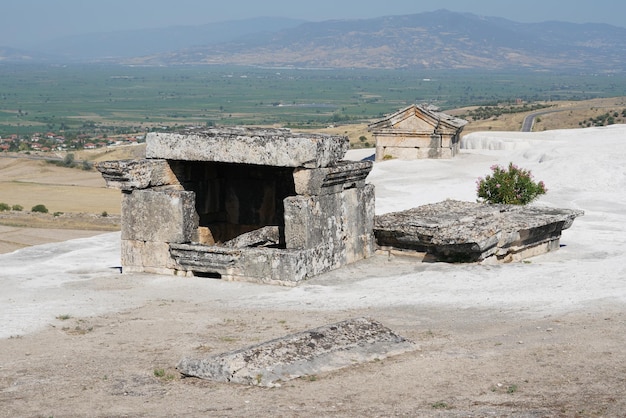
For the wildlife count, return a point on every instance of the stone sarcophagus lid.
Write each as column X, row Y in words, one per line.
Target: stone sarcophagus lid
column 417, row 132
column 456, row 231
column 255, row 204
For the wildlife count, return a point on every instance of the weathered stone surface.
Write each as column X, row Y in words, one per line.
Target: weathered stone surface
column 262, row 237
column 359, row 223
column 339, row 224
column 466, row 231
column 314, row 220
column 384, row 152
column 147, row 256
column 159, row 215
column 326, row 232
column 257, row 264
column 327, row 180
column 260, row 146
column 407, row 141
column 322, row 349
column 136, row 174
column 286, row 267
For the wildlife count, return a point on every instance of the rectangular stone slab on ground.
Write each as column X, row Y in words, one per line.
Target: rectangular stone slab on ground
column 322, row 349
column 466, row 232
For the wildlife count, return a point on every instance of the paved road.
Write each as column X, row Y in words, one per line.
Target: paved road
column 529, row 120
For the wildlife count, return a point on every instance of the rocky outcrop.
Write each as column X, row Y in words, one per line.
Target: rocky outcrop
column 466, row 232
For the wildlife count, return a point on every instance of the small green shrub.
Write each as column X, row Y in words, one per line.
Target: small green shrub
column 4, row 207
column 39, row 208
column 105, row 214
column 514, row 186
column 17, row 208
column 439, row 405
column 68, row 160
column 55, row 214
column 511, row 389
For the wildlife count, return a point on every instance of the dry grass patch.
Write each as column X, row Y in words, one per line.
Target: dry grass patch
column 59, row 198
column 31, row 182
column 563, row 115
column 352, row 131
column 124, row 152
column 76, row 221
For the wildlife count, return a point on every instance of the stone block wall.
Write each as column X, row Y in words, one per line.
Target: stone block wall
column 264, row 205
column 151, row 220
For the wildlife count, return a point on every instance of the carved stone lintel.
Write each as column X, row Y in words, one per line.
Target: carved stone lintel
column 136, row 174
column 319, row 181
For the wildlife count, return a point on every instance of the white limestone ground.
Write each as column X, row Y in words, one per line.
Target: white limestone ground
column 583, row 169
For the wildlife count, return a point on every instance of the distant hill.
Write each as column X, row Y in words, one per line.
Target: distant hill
column 20, row 55
column 124, row 44
column 433, row 40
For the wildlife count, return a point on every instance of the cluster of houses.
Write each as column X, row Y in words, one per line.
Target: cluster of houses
column 51, row 141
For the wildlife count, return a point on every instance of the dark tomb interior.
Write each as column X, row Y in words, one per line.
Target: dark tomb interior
column 232, row 199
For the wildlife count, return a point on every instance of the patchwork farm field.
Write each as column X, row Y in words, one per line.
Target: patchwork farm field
column 88, row 98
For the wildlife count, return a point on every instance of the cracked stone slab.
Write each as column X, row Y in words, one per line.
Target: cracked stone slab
column 318, row 350
column 259, row 146
column 262, row 237
column 466, row 232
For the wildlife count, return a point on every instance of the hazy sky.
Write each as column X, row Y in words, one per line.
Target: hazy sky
column 24, row 22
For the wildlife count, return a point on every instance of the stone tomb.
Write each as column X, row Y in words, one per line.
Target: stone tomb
column 455, row 231
column 417, row 132
column 264, row 205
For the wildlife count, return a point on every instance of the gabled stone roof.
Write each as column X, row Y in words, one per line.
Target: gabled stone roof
column 418, row 119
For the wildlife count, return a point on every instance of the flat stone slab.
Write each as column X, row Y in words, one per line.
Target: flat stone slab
column 129, row 175
column 262, row 237
column 322, row 349
column 260, row 146
column 466, row 232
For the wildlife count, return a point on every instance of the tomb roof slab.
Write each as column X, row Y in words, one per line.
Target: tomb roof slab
column 259, row 146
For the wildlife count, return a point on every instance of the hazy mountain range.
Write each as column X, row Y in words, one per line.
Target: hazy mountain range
column 433, row 40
